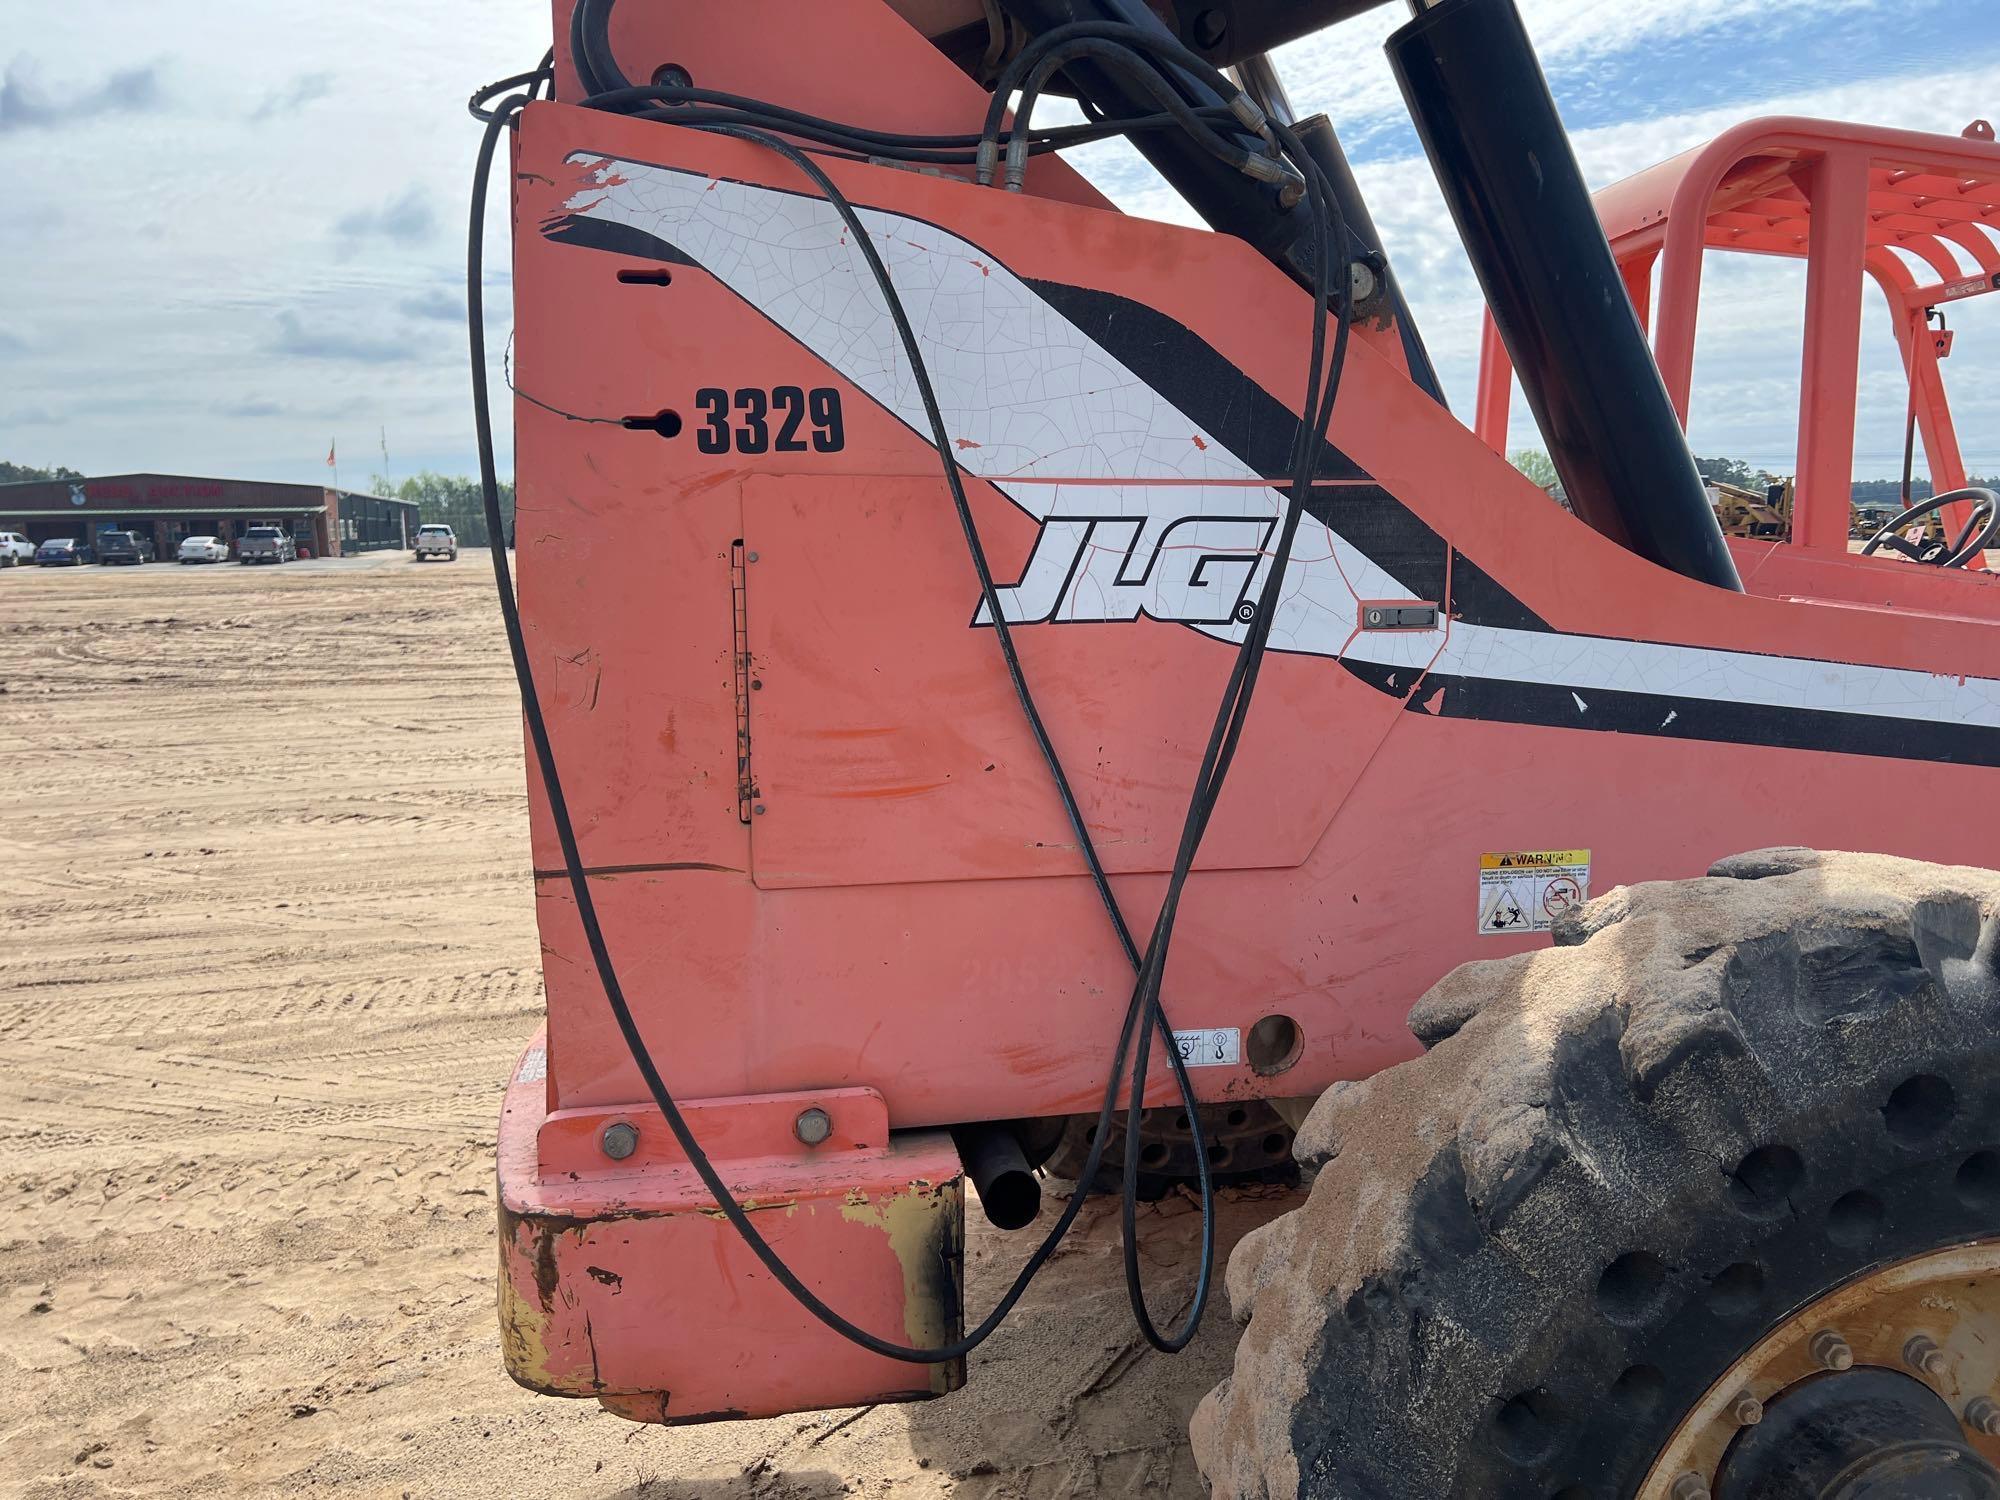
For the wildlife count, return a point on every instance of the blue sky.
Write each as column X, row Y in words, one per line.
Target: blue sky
column 233, row 232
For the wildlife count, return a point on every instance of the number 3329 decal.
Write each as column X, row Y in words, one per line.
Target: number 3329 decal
column 753, row 420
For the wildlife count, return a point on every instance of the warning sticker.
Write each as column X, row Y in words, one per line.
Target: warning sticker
column 1216, row 1047
column 1526, row 891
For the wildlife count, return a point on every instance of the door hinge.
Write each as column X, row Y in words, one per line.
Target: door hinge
column 739, row 630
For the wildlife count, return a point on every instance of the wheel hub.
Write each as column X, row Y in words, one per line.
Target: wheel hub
column 1864, row 1433
column 1886, row 1388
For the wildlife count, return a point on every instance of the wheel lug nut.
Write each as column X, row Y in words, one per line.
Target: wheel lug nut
column 1982, row 1415
column 1746, row 1409
column 1689, row 1487
column 1921, row 1353
column 1830, row 1352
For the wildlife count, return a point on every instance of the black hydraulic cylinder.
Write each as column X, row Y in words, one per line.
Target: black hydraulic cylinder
column 1317, row 136
column 1488, row 123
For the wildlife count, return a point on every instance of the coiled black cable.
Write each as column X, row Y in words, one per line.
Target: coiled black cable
column 543, row 75
column 1118, row 59
column 1144, row 1011
column 669, row 103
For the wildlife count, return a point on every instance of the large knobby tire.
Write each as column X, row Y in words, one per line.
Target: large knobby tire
column 1529, row 1252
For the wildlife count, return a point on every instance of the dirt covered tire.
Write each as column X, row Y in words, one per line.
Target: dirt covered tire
column 1529, row 1252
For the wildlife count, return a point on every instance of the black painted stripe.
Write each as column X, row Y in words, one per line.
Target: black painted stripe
column 1606, row 711
column 1258, row 429
column 1196, row 378
column 614, row 238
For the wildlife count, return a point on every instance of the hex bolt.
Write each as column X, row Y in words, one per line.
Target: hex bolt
column 619, row 1140
column 758, row 809
column 1982, row 1415
column 1921, row 1353
column 1689, row 1487
column 813, row 1126
column 1746, row 1409
column 1830, row 1351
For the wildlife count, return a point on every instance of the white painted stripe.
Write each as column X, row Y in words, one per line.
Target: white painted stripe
column 1030, row 400
column 1584, row 663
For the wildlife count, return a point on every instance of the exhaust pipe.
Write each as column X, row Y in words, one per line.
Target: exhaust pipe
column 1007, row 1186
column 1483, row 111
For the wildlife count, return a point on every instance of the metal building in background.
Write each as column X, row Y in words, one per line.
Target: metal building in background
column 169, row 507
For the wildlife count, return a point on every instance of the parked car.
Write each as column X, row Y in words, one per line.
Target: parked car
column 203, row 549
column 266, row 544
column 15, row 549
column 437, row 541
column 132, row 547
column 62, row 552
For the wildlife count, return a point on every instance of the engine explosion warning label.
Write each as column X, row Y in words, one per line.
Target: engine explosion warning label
column 1525, row 891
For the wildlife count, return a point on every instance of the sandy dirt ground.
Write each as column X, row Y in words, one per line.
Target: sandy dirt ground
column 266, row 954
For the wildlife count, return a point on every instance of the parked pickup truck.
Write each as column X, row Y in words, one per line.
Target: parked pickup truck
column 437, row 541
column 266, row 544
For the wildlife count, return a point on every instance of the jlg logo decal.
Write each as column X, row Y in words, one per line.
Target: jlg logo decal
column 1189, row 570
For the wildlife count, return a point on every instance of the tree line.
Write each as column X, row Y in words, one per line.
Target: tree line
column 1539, row 467
column 29, row 474
column 454, row 500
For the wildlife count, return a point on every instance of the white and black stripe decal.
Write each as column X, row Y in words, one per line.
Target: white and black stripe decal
column 1045, row 382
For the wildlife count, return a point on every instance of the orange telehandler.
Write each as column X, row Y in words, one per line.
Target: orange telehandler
column 1014, row 687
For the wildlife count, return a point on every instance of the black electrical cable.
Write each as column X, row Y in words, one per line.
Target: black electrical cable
column 586, row 905
column 1119, row 60
column 544, row 73
column 1207, row 796
column 670, row 104
column 1144, row 1009
column 1324, row 219
column 1160, row 45
column 596, row 32
column 863, row 148
column 579, row 59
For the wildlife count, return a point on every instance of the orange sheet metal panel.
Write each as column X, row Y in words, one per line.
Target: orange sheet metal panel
column 621, row 1281
column 1570, row 695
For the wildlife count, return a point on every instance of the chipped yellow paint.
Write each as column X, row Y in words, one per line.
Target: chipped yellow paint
column 752, row 1206
column 522, row 1321
column 925, row 1226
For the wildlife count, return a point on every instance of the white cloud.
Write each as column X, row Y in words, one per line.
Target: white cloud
column 406, row 219
column 190, row 261
column 236, row 226
column 1746, row 376
column 29, row 102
